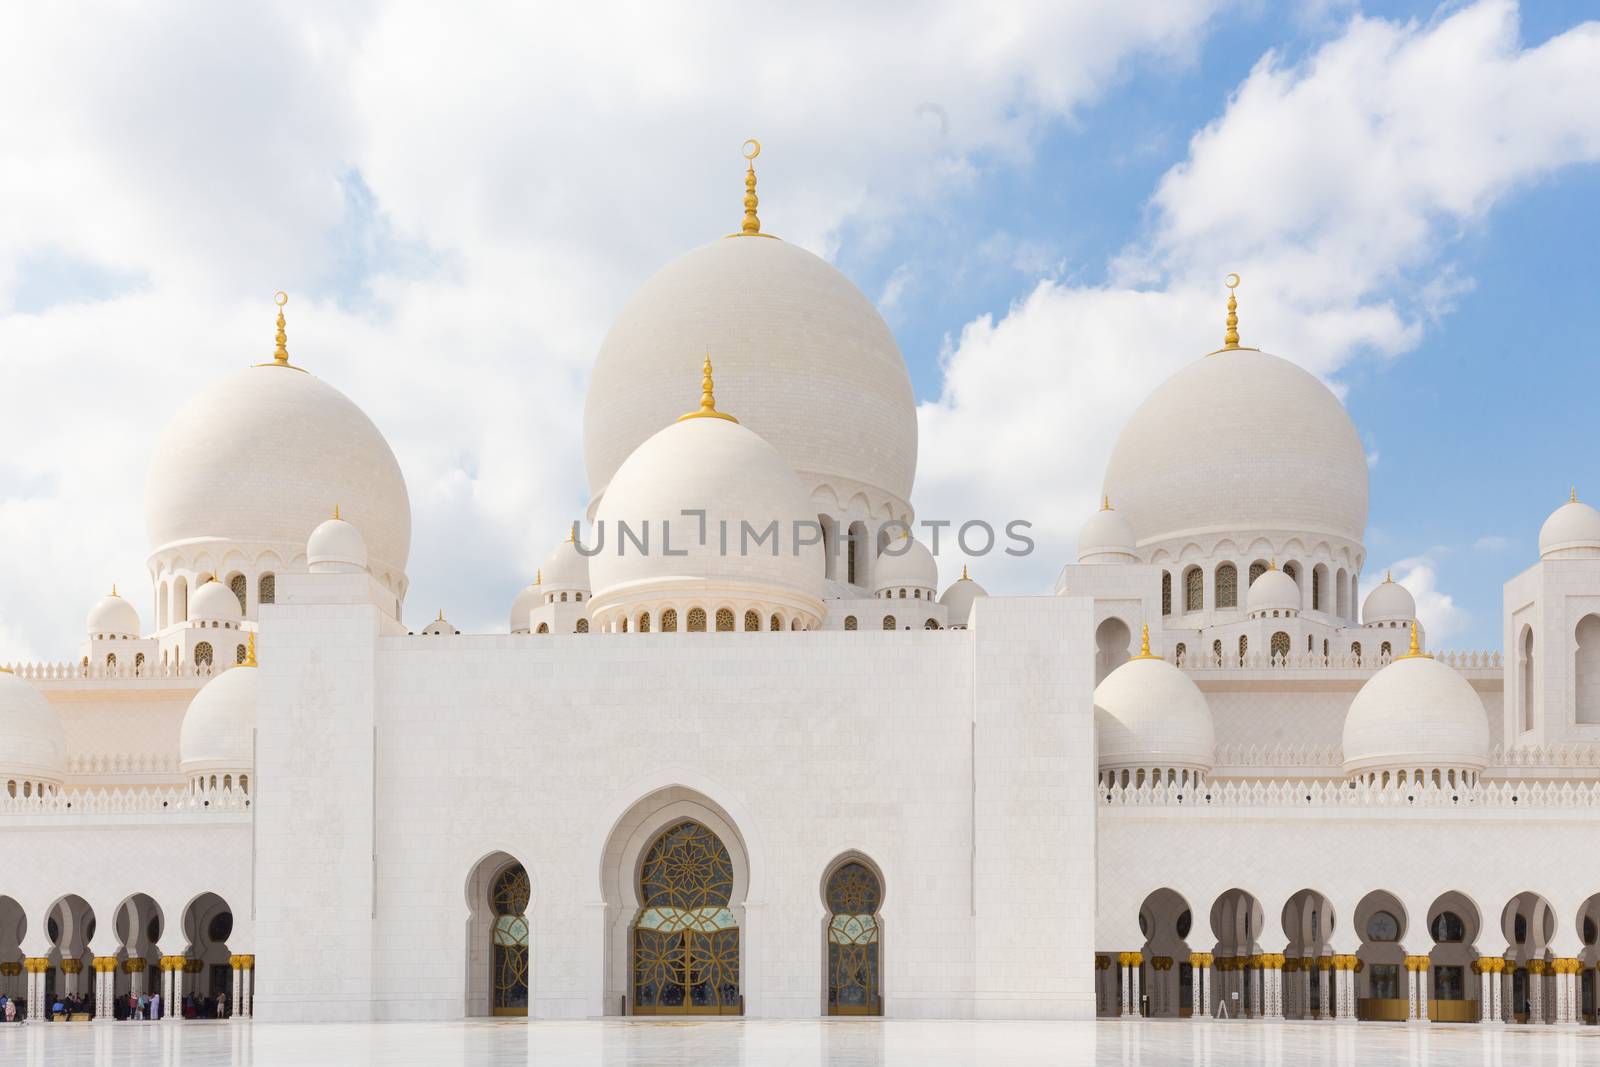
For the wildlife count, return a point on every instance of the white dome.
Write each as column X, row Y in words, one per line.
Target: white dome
column 719, row 466
column 1273, row 590
column 259, row 457
column 803, row 359
column 959, row 597
column 33, row 745
column 1415, row 714
column 113, row 615
column 336, row 545
column 1224, row 446
column 524, row 603
column 218, row 728
column 905, row 564
column 1106, row 538
column 1150, row 714
column 565, row 569
column 438, row 626
column 1389, row 602
column 213, row 600
column 1571, row 532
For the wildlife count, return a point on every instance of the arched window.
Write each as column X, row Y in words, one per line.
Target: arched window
column 1355, row 651
column 1383, row 927
column 180, row 600
column 777, row 623
column 1244, row 647
column 849, row 622
column 161, row 606
column 1447, row 926
column 669, row 620
column 931, row 624
column 1216, row 653
column 1341, row 594
column 1166, row 592
column 1385, row 652
column 1527, row 677
column 202, row 654
column 855, row 971
column 1179, row 653
column 624, row 623
column 508, row 900
column 238, row 655
column 582, row 627
column 856, row 554
column 888, row 622
column 1324, row 649
column 686, row 940
column 1194, row 589
column 240, row 587
column 724, row 620
column 1586, row 670
column 1311, row 643
column 563, row 598
column 1280, row 646
column 644, row 622
column 111, row 661
column 752, row 622
column 1227, row 586
column 1316, row 588
column 138, row 663
column 697, row 620
column 902, row 594
column 267, row 589
column 1257, row 569
column 544, row 627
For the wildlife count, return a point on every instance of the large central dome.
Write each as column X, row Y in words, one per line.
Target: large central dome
column 801, row 355
column 1240, row 442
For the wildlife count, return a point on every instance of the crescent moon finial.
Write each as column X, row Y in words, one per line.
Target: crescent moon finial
column 751, row 227
column 751, row 148
column 1230, row 337
column 1232, row 281
column 281, row 298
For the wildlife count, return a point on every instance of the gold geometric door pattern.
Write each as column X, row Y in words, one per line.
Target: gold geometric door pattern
column 508, row 901
column 685, row 942
column 854, row 968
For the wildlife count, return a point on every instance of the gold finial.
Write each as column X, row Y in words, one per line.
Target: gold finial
column 708, row 399
column 964, row 577
column 538, row 576
column 1415, row 652
column 1573, row 498
column 752, row 223
column 280, row 355
column 7, row 670
column 572, row 534
column 1144, row 644
column 113, row 588
column 441, row 615
column 1230, row 338
column 1272, row 564
column 1388, row 577
column 1105, row 503
column 250, row 652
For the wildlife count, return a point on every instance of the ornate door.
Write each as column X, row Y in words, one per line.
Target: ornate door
column 853, row 966
column 508, row 899
column 685, row 941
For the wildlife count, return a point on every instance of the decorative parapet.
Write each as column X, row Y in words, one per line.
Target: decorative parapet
column 1279, row 756
column 122, row 763
column 1201, row 661
column 1545, row 756
column 95, row 672
column 1341, row 794
column 127, row 802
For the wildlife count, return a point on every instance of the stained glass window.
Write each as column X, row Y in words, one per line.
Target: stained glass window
column 669, row 621
column 267, row 589
column 644, row 622
column 686, row 940
column 202, row 654
column 724, row 620
column 1166, row 593
column 239, row 585
column 752, row 621
column 1194, row 589
column 853, row 896
column 1227, row 586
column 508, row 900
column 697, row 620
column 1280, row 645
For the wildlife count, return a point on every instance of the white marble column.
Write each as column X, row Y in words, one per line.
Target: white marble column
column 1325, row 973
column 249, row 985
column 1411, row 989
column 1423, row 981
column 1535, row 992
column 1133, row 981
column 235, row 1009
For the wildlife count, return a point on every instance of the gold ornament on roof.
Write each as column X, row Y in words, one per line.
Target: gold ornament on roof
column 538, row 576
column 250, row 652
column 708, row 399
column 1230, row 337
column 336, row 512
column 1144, row 644
column 1573, row 498
column 1105, row 503
column 114, row 590
column 1415, row 651
column 751, row 227
column 964, row 577
column 280, row 354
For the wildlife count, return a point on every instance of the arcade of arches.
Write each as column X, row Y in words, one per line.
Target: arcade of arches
column 1380, row 965
column 189, row 965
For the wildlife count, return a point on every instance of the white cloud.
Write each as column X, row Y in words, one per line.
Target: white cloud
column 1334, row 186
column 459, row 197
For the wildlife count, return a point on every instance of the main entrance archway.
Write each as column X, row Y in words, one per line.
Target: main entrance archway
column 685, row 939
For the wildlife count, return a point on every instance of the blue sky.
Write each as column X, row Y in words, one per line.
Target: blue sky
column 1043, row 202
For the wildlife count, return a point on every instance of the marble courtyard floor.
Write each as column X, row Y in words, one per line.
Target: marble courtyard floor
column 791, row 1043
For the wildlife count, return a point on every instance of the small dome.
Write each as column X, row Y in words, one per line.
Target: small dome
column 441, row 625
column 113, row 615
column 1389, row 602
column 218, row 730
column 1107, row 537
column 1151, row 715
column 906, row 564
column 1416, row 714
column 709, row 463
column 1571, row 532
column 215, row 601
column 336, row 546
column 565, row 569
column 525, row 602
column 959, row 597
column 33, row 744
column 1273, row 590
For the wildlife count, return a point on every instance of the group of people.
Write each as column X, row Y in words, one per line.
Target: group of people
column 142, row 1006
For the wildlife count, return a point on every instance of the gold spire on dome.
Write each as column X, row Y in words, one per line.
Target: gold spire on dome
column 336, row 512
column 250, row 652
column 751, row 227
column 114, row 590
column 1230, row 337
column 1573, row 499
column 572, row 534
column 441, row 615
column 538, row 576
column 1415, row 651
column 708, row 399
column 1388, row 577
column 964, row 577
column 1105, row 503
column 1144, row 644
column 280, row 354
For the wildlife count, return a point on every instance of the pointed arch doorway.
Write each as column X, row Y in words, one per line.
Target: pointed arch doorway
column 685, row 951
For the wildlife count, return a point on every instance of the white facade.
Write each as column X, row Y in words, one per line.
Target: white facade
column 737, row 784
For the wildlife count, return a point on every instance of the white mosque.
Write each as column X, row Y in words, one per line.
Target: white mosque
column 735, row 754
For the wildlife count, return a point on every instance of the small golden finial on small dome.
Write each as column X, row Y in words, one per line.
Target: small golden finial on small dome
column 250, row 652
column 1388, row 577
column 114, row 590
column 1105, row 503
column 572, row 534
column 538, row 576
column 441, row 615
column 1415, row 652
column 964, row 577
column 336, row 512
column 1573, row 498
column 1144, row 644
column 708, row 398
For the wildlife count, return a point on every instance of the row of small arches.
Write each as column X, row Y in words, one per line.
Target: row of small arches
column 175, row 596
column 1225, row 588
column 1280, row 649
column 204, row 656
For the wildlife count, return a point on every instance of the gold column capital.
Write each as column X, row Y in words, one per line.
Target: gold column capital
column 36, row 964
column 72, row 966
column 105, row 963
